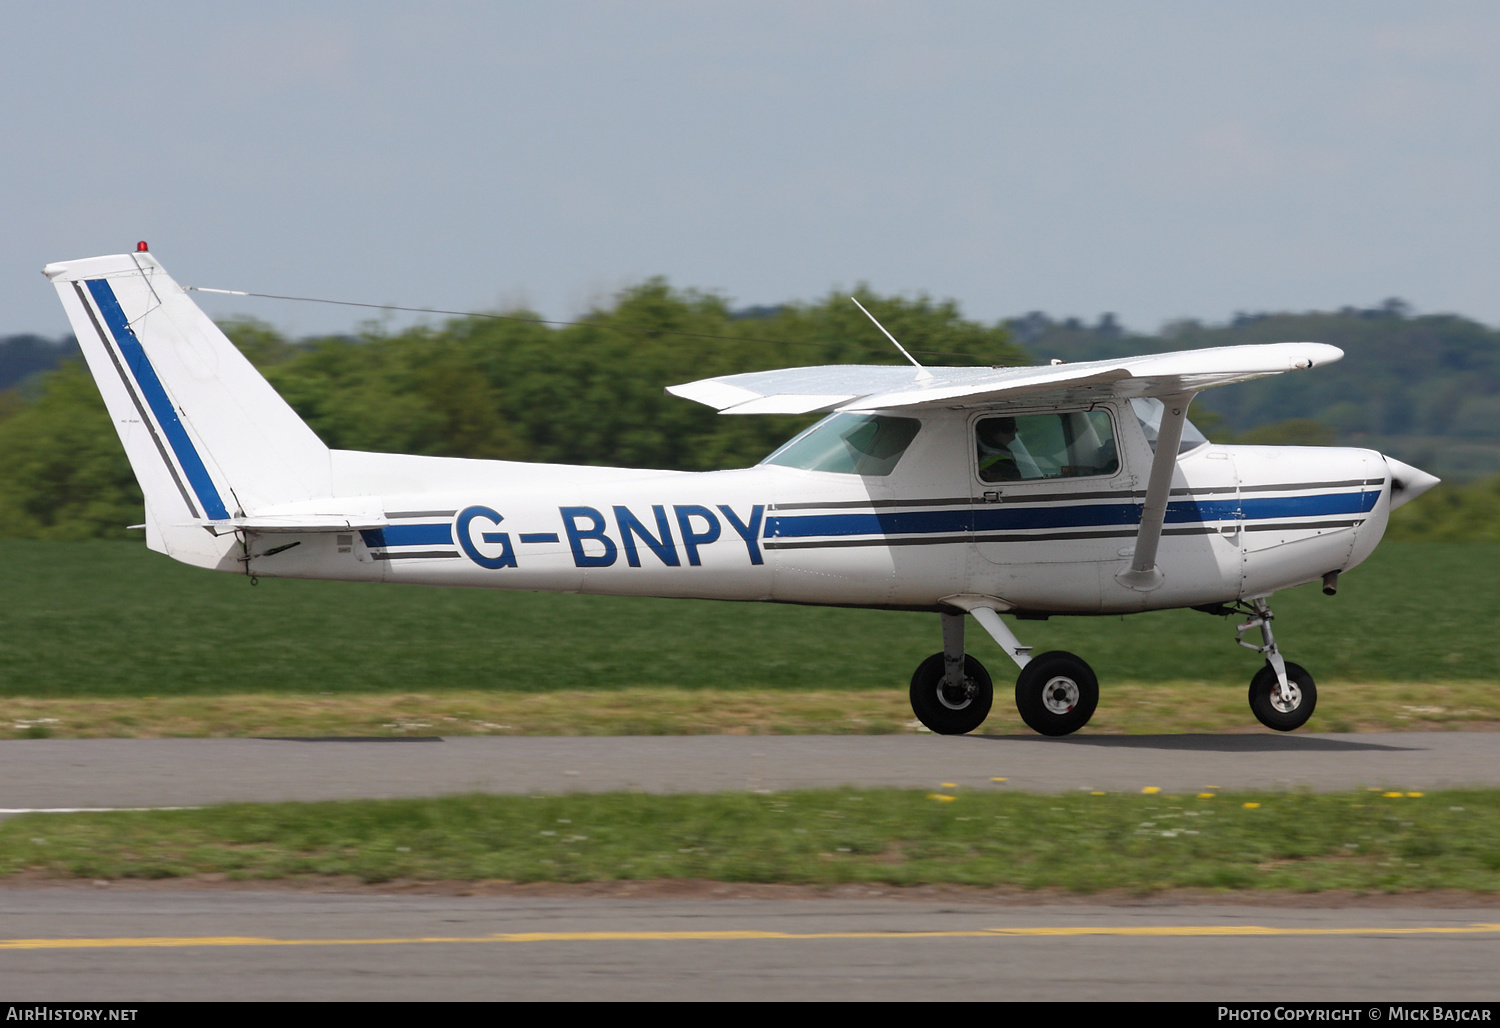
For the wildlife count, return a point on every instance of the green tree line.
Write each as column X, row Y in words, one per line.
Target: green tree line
column 509, row 387
column 517, row 388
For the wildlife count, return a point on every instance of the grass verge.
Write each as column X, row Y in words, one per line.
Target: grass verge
column 1362, row 842
column 1125, row 709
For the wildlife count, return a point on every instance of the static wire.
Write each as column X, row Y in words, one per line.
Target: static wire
column 568, row 324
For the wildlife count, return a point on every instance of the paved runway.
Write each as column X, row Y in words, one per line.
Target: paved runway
column 104, row 944
column 50, row 773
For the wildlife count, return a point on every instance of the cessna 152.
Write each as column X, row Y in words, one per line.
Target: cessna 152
column 1068, row 489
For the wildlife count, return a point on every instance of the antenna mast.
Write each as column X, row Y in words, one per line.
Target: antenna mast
column 892, row 339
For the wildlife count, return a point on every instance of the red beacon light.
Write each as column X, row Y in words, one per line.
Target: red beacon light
column 141, row 247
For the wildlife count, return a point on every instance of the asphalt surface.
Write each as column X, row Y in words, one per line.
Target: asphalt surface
column 114, row 944
column 281, row 945
column 53, row 773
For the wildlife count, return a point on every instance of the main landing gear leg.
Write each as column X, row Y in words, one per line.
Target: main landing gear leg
column 1056, row 692
column 953, row 651
column 1282, row 694
column 951, row 692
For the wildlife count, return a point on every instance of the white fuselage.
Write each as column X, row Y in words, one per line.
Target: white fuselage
column 1243, row 522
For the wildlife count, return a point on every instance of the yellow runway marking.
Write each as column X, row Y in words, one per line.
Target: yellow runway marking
column 1151, row 931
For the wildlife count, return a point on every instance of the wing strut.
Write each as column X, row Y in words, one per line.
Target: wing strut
column 1143, row 575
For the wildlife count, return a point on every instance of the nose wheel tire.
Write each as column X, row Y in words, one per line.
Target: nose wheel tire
column 955, row 709
column 1056, row 693
column 1274, row 709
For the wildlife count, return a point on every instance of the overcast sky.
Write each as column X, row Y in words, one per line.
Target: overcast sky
column 1156, row 160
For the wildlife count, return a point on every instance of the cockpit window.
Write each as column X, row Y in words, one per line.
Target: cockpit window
column 849, row 444
column 1036, row 446
column 1148, row 411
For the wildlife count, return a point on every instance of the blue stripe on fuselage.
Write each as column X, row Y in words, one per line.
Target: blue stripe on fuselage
column 1080, row 515
column 156, row 398
column 1309, row 506
column 407, row 535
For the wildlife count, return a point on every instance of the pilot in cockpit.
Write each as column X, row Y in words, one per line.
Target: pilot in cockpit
column 997, row 445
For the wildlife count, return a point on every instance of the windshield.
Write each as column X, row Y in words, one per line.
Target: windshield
column 1148, row 412
column 849, row 444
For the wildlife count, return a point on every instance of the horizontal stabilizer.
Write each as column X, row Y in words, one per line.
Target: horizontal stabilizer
column 298, row 524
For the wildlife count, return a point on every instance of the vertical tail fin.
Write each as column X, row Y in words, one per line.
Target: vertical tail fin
column 206, row 435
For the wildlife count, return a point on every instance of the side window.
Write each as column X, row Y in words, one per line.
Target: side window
column 1036, row 446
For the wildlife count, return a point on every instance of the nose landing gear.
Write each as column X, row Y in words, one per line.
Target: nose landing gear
column 1282, row 694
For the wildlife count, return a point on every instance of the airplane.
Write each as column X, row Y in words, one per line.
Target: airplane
column 1064, row 489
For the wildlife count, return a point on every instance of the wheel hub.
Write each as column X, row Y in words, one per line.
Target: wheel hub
column 1288, row 699
column 956, row 697
column 1060, row 695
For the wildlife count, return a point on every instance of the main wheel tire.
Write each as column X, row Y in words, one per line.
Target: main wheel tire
column 951, row 711
column 1283, row 713
column 1056, row 693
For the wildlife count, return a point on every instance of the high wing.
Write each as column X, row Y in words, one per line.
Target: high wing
column 863, row 387
column 1175, row 378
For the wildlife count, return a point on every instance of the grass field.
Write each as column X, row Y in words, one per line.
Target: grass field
column 1365, row 842
column 112, row 619
column 1130, row 708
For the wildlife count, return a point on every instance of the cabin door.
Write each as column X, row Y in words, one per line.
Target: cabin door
column 1052, row 505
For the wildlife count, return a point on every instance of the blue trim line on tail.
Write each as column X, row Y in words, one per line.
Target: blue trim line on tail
column 156, row 398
